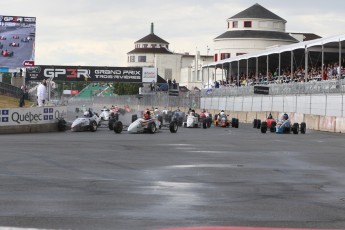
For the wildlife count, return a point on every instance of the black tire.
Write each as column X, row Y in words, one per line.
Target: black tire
column 118, row 127
column 204, row 124
column 237, row 123
column 160, row 119
column 258, row 126
column 209, row 122
column 93, row 126
column 62, row 125
column 152, row 127
column 134, row 117
column 173, row 127
column 273, row 126
column 111, row 123
column 303, row 127
column 295, row 128
column 255, row 123
column 264, row 127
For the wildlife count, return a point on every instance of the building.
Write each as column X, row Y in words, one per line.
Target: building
column 153, row 51
column 253, row 29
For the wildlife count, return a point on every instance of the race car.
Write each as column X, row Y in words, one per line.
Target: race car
column 193, row 121
column 6, row 53
column 105, row 114
column 2, row 38
column 269, row 124
column 15, row 37
column 221, row 120
column 150, row 124
column 89, row 122
column 25, row 39
column 14, row 44
column 168, row 116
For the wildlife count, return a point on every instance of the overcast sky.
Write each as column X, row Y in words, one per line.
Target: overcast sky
column 102, row 32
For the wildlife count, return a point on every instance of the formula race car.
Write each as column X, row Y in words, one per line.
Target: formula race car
column 269, row 124
column 221, row 120
column 2, row 38
column 27, row 39
column 145, row 125
column 14, row 44
column 89, row 122
column 105, row 114
column 6, row 53
column 15, row 37
column 167, row 116
column 196, row 121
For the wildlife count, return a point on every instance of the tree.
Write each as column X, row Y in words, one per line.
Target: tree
column 126, row 88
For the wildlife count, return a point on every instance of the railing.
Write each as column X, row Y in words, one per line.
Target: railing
column 10, row 90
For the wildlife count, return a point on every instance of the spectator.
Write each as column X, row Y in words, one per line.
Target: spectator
column 41, row 93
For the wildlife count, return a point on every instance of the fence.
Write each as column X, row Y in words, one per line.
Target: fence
column 10, row 90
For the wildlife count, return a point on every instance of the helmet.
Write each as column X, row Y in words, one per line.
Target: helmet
column 86, row 113
column 285, row 116
column 269, row 116
column 222, row 113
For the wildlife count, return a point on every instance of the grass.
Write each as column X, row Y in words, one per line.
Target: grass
column 12, row 102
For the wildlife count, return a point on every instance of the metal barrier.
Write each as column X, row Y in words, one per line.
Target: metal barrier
column 10, row 90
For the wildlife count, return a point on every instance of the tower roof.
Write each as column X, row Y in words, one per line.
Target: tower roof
column 152, row 38
column 257, row 11
column 256, row 34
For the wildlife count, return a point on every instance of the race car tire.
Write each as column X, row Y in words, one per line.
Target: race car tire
column 209, row 122
column 160, row 119
column 264, row 127
column 93, row 126
column 255, row 123
column 258, row 126
column 62, row 125
column 204, row 124
column 295, row 128
column 303, row 127
column 118, row 127
column 152, row 127
column 111, row 123
column 134, row 117
column 237, row 123
column 173, row 127
column 273, row 126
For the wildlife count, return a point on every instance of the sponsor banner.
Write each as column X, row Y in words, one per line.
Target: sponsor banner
column 18, row 19
column 261, row 90
column 85, row 73
column 149, row 75
column 29, row 116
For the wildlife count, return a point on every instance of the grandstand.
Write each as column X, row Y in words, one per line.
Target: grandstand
column 96, row 90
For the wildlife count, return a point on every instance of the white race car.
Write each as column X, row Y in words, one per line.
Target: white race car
column 141, row 125
column 105, row 114
column 89, row 122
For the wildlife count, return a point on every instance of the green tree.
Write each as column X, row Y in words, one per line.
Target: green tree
column 126, row 88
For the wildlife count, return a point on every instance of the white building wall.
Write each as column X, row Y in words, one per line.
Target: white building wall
column 258, row 24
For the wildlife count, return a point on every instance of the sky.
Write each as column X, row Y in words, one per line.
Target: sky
column 102, row 32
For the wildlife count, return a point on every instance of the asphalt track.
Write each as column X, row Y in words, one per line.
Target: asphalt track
column 196, row 177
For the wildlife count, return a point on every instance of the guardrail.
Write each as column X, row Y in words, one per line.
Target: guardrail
column 10, row 90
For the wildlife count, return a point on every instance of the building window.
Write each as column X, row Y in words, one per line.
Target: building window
column 153, row 45
column 145, row 45
column 224, row 56
column 131, row 59
column 235, row 24
column 247, row 24
column 137, row 45
column 142, row 59
column 215, row 57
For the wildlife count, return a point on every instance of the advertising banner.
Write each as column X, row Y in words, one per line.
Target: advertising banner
column 28, row 116
column 91, row 73
column 17, row 40
column 262, row 90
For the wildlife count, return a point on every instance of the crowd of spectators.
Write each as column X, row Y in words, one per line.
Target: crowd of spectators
column 330, row 72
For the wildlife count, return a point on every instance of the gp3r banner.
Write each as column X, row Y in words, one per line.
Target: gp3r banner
column 28, row 116
column 91, row 73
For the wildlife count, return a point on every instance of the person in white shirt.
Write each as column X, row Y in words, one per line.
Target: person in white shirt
column 41, row 93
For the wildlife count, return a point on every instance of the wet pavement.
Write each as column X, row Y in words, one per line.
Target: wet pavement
column 196, row 177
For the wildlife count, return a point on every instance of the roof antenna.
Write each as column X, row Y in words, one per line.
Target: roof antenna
column 151, row 27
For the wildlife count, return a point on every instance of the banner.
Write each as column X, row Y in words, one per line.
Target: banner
column 17, row 40
column 261, row 90
column 29, row 116
column 92, row 73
